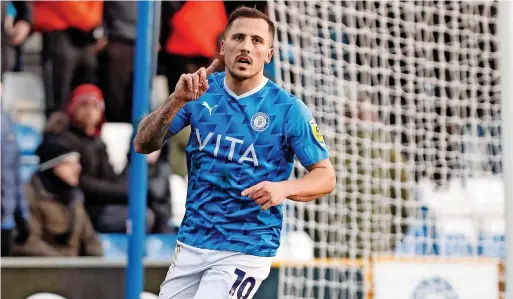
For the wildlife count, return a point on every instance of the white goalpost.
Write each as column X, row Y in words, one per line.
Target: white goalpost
column 505, row 24
column 408, row 98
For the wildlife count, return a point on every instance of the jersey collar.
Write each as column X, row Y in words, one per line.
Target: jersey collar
column 248, row 93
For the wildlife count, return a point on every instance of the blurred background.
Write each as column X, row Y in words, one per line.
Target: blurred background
column 406, row 95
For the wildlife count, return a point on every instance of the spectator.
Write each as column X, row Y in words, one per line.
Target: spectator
column 16, row 34
column 188, row 44
column 14, row 207
column 70, row 31
column 116, row 60
column 106, row 193
column 59, row 224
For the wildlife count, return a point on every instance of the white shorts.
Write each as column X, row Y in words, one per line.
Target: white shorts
column 211, row 274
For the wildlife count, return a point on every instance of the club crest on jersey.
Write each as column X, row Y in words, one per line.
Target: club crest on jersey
column 316, row 132
column 259, row 121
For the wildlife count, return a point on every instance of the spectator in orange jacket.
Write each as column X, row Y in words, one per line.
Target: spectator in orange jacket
column 70, row 32
column 186, row 43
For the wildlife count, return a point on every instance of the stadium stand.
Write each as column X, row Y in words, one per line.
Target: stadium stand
column 23, row 96
column 117, row 137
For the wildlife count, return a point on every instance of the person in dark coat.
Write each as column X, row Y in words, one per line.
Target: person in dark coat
column 59, row 224
column 106, row 193
column 14, row 206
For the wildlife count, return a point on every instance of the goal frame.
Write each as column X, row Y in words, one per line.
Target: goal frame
column 505, row 31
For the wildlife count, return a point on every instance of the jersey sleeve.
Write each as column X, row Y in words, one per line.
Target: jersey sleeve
column 304, row 137
column 181, row 120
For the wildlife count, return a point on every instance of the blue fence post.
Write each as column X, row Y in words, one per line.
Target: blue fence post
column 134, row 276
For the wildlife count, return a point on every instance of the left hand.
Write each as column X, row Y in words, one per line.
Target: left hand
column 19, row 32
column 266, row 194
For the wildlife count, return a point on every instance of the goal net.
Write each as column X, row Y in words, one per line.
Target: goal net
column 406, row 95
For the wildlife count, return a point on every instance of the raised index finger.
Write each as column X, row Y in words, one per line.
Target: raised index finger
column 213, row 66
column 202, row 75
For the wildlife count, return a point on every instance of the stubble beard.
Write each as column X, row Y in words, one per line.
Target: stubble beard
column 240, row 77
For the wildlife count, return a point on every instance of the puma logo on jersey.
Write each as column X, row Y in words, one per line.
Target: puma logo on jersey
column 249, row 153
column 208, row 107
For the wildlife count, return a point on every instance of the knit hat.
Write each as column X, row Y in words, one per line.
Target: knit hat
column 85, row 93
column 51, row 153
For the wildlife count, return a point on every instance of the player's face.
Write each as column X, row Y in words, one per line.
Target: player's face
column 247, row 47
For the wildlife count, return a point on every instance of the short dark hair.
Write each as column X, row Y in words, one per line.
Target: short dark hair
column 252, row 13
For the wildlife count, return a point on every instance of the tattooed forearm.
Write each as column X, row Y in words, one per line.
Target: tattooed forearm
column 153, row 129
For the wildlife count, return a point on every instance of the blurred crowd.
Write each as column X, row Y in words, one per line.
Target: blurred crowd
column 87, row 65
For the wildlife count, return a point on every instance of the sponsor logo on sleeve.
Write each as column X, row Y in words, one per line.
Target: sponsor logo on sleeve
column 316, row 132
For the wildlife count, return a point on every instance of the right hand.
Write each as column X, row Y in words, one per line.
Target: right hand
column 192, row 86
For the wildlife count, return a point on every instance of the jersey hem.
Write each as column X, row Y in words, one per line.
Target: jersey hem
column 226, row 247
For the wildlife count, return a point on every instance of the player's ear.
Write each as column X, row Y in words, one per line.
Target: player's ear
column 221, row 52
column 270, row 54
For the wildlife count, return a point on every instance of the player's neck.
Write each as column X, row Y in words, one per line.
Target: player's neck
column 240, row 87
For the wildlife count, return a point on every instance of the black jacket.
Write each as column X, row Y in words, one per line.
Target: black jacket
column 100, row 184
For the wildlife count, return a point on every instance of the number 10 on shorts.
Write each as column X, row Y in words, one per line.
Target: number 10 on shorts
column 244, row 286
